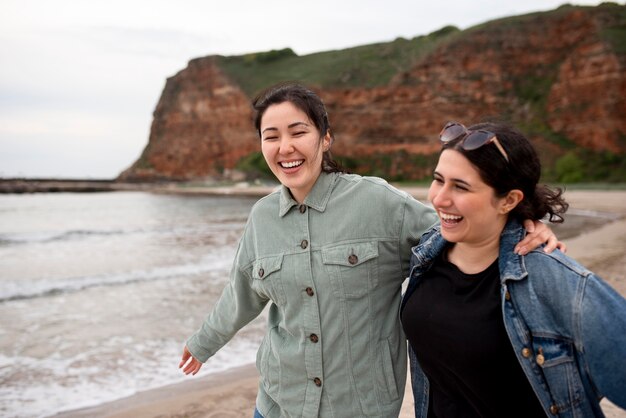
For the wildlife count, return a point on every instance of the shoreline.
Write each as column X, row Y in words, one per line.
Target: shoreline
column 243, row 188
column 232, row 393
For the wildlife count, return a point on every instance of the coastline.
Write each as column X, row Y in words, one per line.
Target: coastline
column 232, row 393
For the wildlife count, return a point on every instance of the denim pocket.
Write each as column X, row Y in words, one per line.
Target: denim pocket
column 386, row 379
column 352, row 268
column 268, row 363
column 266, row 273
column 557, row 360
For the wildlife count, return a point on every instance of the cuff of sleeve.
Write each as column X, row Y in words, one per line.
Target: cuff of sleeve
column 196, row 349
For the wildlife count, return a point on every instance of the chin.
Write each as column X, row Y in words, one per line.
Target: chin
column 450, row 237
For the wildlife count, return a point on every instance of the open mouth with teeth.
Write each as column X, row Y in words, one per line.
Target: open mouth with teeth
column 449, row 219
column 291, row 164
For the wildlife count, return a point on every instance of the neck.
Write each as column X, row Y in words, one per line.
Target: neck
column 472, row 258
column 298, row 197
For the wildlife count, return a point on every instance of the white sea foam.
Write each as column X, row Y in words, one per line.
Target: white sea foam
column 98, row 293
column 61, row 384
column 20, row 289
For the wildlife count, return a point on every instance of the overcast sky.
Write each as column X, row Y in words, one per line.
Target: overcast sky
column 79, row 79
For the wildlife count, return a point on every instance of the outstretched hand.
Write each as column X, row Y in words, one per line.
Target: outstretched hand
column 188, row 363
column 538, row 233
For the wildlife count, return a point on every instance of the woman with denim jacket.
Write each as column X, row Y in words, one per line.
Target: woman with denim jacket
column 330, row 251
column 493, row 333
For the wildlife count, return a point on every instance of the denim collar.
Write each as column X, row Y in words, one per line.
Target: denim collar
column 511, row 265
column 317, row 198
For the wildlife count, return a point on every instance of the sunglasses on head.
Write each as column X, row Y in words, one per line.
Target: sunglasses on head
column 471, row 139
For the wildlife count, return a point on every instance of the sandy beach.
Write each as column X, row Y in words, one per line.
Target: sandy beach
column 232, row 393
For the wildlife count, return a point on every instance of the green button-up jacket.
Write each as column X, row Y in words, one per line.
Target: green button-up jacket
column 332, row 269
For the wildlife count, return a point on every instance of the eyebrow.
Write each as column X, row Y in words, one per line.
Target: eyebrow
column 271, row 128
column 462, row 182
column 436, row 173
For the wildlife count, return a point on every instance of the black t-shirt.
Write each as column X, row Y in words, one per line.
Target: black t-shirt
column 454, row 323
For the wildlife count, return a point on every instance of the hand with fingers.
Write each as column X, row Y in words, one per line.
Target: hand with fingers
column 538, row 233
column 189, row 363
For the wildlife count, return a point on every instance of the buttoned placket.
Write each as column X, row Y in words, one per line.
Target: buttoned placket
column 312, row 320
column 530, row 359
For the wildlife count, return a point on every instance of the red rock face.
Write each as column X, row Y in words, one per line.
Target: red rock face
column 480, row 76
column 491, row 74
column 588, row 101
column 202, row 124
column 551, row 69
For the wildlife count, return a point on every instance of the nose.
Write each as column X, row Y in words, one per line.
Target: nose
column 286, row 146
column 440, row 196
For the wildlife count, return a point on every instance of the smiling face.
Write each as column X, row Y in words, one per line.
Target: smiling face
column 292, row 147
column 468, row 209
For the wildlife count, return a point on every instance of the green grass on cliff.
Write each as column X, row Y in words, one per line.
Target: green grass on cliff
column 616, row 35
column 375, row 65
column 363, row 66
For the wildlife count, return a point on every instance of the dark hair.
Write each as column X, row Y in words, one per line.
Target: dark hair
column 305, row 100
column 521, row 172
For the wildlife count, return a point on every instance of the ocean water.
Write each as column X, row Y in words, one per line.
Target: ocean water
column 99, row 291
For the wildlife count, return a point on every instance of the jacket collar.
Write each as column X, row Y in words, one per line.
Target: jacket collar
column 317, row 198
column 430, row 246
column 511, row 265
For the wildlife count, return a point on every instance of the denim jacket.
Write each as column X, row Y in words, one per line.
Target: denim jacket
column 566, row 325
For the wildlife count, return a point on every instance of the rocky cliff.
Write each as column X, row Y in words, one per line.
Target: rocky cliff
column 202, row 126
column 559, row 76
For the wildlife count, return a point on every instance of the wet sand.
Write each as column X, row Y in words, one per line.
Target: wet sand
column 232, row 393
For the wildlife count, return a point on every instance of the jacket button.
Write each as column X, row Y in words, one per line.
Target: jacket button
column 261, row 272
column 314, row 338
column 540, row 359
column 554, row 409
column 507, row 295
column 317, row 382
column 304, row 244
column 302, row 208
column 309, row 291
column 353, row 259
column 526, row 352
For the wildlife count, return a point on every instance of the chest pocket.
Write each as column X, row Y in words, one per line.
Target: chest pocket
column 352, row 268
column 267, row 272
column 555, row 357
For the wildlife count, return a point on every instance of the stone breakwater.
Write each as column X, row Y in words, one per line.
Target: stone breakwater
column 20, row 186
